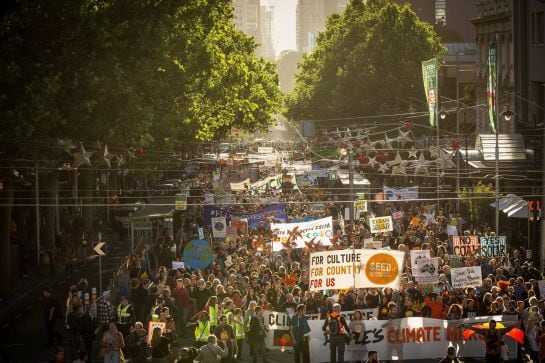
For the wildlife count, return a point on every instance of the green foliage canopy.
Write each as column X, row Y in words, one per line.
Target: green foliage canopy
column 363, row 60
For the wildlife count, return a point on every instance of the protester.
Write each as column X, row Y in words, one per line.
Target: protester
column 300, row 330
column 256, row 335
column 336, row 327
column 209, row 353
column 451, row 356
column 59, row 356
column 112, row 342
column 51, row 313
column 136, row 344
column 372, row 357
column 160, row 345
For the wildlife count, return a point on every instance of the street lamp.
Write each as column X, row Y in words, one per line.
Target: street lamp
column 507, row 115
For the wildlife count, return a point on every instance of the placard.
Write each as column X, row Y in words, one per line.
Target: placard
column 466, row 246
column 466, row 277
column 178, row 265
column 415, row 256
column 495, row 246
column 181, row 201
column 154, row 324
column 398, row 215
column 371, row 244
column 198, row 254
column 381, row 224
column 428, row 270
column 219, row 227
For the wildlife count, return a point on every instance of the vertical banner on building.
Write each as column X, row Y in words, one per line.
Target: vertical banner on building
column 429, row 75
column 491, row 85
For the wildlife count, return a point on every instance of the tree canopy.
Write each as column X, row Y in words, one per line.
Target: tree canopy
column 363, row 60
column 129, row 73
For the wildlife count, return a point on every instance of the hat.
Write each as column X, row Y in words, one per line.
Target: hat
column 336, row 307
column 106, row 293
column 124, row 298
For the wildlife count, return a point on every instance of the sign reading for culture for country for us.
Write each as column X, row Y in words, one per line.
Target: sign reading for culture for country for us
column 381, row 224
column 466, row 246
column 357, row 268
column 320, row 231
column 495, row 246
column 466, row 277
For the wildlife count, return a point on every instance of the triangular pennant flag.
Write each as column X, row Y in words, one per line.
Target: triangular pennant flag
column 467, row 333
column 516, row 334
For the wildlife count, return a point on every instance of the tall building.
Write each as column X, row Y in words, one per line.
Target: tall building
column 311, row 20
column 452, row 17
column 266, row 49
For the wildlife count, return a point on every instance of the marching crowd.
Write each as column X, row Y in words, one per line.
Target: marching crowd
column 220, row 308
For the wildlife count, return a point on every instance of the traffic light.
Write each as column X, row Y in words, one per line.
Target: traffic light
column 534, row 210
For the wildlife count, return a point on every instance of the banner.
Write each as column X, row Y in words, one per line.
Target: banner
column 428, row 270
column 429, row 76
column 381, row 224
column 494, row 246
column 409, row 193
column 491, row 86
column 466, row 277
column 219, row 227
column 415, row 256
column 276, row 211
column 274, row 182
column 345, row 269
column 424, row 339
column 319, row 230
column 243, row 185
column 465, row 245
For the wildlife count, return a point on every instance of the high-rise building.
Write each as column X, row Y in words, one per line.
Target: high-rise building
column 267, row 20
column 311, row 19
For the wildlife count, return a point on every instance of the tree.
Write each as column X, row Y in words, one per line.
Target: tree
column 130, row 73
column 287, row 68
column 363, row 60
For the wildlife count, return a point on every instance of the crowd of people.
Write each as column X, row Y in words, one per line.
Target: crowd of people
column 220, row 308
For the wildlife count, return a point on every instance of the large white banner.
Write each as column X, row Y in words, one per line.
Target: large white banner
column 408, row 193
column 344, row 269
column 320, row 230
column 381, row 224
column 405, row 339
column 466, row 277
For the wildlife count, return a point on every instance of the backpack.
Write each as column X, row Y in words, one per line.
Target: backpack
column 333, row 325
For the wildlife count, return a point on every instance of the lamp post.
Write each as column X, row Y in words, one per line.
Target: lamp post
column 507, row 116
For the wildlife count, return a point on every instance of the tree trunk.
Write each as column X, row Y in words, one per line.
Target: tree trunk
column 6, row 208
column 87, row 182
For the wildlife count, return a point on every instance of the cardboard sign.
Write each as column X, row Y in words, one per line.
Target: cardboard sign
column 219, row 227
column 397, row 215
column 417, row 255
column 381, row 224
column 466, row 277
column 178, row 264
column 371, row 244
column 494, row 246
column 466, row 245
column 428, row 270
column 198, row 254
column 181, row 201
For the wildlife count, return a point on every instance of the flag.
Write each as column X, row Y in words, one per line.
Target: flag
column 516, row 334
column 429, row 75
column 491, row 85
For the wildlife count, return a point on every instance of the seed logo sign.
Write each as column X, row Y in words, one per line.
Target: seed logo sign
column 382, row 269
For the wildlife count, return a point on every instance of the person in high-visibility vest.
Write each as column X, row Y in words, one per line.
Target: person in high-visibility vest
column 125, row 316
column 238, row 327
column 202, row 329
column 227, row 310
column 213, row 309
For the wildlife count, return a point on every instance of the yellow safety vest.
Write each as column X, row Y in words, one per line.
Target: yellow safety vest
column 239, row 330
column 122, row 315
column 202, row 331
column 213, row 312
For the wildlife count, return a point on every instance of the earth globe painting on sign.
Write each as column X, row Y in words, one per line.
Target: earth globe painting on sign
column 198, row 254
column 218, row 226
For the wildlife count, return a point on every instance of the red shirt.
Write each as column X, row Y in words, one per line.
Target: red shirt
column 181, row 297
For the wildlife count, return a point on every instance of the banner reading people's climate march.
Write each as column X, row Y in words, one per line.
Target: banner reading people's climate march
column 318, row 231
column 358, row 268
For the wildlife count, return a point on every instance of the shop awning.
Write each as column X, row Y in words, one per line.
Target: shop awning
column 156, row 208
column 512, row 205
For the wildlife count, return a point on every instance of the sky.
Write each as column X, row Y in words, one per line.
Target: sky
column 284, row 24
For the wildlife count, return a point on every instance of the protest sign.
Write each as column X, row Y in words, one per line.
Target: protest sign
column 371, row 244
column 405, row 339
column 455, row 261
column 178, row 264
column 428, row 270
column 417, row 255
column 155, row 324
column 381, row 224
column 273, row 211
column 495, row 246
column 319, row 230
column 466, row 277
column 466, row 245
column 198, row 254
column 397, row 215
column 331, row 270
column 219, row 227
column 452, row 230
column 241, row 226
column 232, row 232
column 181, row 201
column 409, row 193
